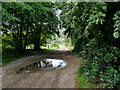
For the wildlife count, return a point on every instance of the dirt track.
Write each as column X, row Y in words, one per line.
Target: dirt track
column 62, row 78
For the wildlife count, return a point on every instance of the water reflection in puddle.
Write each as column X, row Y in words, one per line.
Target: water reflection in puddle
column 47, row 64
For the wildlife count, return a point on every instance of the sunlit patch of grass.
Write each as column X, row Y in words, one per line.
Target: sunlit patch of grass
column 31, row 46
column 50, row 48
column 83, row 83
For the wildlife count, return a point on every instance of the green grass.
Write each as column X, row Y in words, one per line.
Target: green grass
column 43, row 47
column 51, row 48
column 0, row 47
column 83, row 83
column 11, row 55
column 30, row 46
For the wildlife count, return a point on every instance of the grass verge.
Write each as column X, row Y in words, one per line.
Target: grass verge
column 11, row 55
column 83, row 83
column 51, row 48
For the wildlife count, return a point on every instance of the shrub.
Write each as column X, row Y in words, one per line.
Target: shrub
column 101, row 66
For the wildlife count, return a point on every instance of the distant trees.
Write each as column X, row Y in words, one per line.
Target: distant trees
column 27, row 23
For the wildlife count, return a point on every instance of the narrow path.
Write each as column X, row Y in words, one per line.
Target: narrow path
column 62, row 78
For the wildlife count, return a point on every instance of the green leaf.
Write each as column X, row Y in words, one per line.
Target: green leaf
column 103, row 15
column 119, row 26
column 116, row 34
column 104, row 7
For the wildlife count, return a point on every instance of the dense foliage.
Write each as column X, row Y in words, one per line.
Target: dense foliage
column 95, row 29
column 26, row 23
column 101, row 65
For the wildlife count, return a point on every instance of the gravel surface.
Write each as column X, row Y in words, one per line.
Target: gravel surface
column 61, row 78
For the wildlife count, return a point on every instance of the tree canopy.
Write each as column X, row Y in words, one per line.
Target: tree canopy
column 27, row 23
column 94, row 28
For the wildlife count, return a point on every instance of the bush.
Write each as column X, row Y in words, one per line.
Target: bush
column 101, row 66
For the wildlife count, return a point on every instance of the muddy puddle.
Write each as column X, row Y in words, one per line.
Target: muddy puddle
column 46, row 64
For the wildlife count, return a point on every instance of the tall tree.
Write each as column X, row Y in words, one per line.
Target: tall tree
column 24, row 19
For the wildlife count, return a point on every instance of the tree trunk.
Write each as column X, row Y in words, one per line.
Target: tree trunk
column 38, row 38
column 37, row 42
column 26, row 37
column 21, row 45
